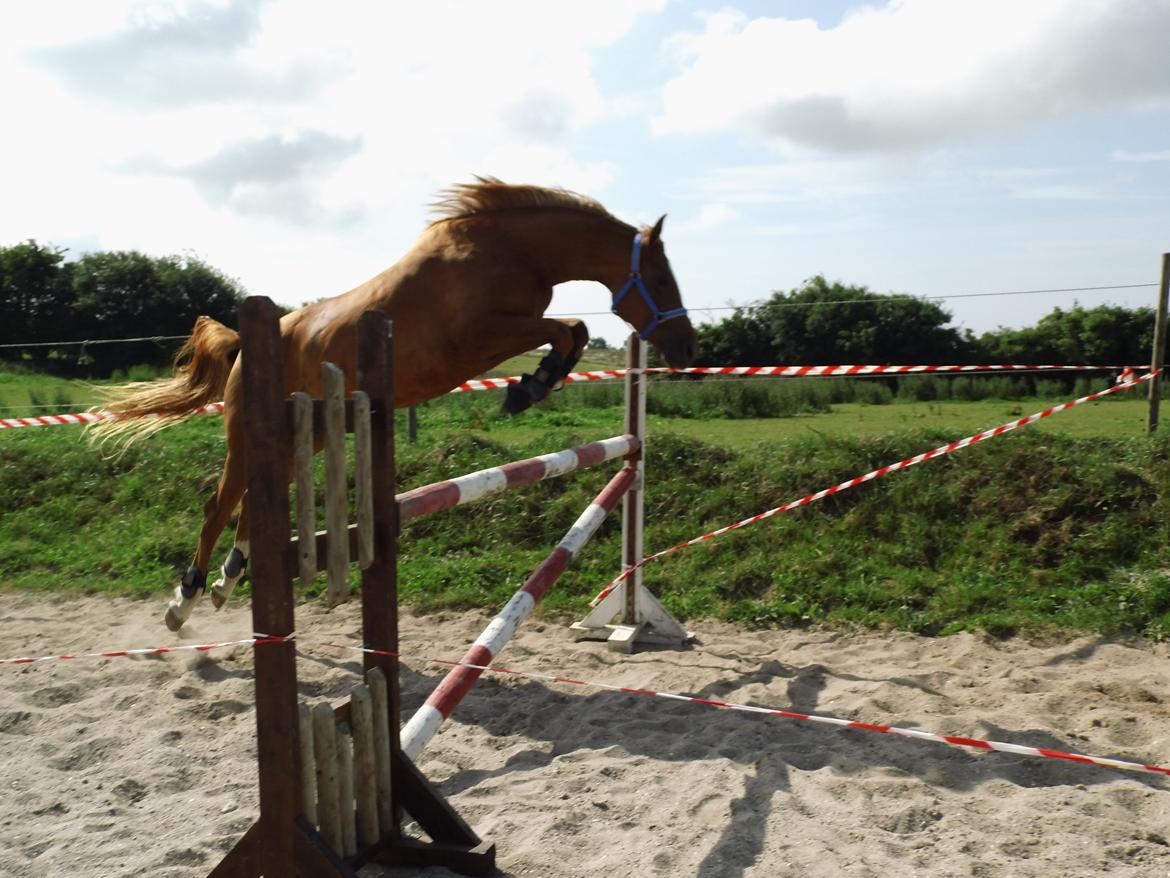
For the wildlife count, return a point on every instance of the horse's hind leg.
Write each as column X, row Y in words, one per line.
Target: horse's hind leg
column 235, row 563
column 216, row 512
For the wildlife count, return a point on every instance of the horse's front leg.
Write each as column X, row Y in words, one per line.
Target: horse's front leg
column 568, row 340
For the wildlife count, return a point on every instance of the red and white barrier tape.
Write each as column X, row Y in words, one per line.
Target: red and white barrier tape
column 918, row 734
column 149, row 650
column 786, row 372
column 608, row 374
column 212, row 408
column 949, row 448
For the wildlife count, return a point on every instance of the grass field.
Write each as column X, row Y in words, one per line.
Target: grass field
column 1059, row 526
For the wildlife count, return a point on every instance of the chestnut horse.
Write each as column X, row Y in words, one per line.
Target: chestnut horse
column 468, row 295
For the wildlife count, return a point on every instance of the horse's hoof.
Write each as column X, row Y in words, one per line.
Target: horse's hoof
column 516, row 399
column 220, row 592
column 179, row 610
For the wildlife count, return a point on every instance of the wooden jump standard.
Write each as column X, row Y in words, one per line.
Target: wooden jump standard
column 283, row 842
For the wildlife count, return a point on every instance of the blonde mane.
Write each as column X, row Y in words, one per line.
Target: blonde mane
column 488, row 194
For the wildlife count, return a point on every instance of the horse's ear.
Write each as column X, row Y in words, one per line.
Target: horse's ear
column 656, row 232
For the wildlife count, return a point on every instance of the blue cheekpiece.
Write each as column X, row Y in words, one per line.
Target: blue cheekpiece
column 635, row 280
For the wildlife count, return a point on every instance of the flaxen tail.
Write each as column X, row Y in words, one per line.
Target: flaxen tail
column 201, row 372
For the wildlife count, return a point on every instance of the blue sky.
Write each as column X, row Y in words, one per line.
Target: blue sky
column 934, row 147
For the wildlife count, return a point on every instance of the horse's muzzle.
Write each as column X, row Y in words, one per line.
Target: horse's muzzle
column 678, row 350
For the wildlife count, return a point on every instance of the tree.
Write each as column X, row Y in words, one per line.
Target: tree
column 121, row 294
column 826, row 323
column 599, row 344
column 126, row 294
column 33, row 295
column 1104, row 335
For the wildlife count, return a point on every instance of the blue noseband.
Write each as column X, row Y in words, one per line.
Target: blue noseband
column 635, row 281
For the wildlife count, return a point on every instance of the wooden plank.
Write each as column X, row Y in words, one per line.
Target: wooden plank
column 328, row 792
column 365, row 765
column 380, row 579
column 303, row 464
column 308, row 765
column 345, row 790
column 434, row 813
column 336, row 489
column 244, row 860
column 315, row 859
column 376, row 680
column 478, row 859
column 319, row 417
column 267, row 505
column 363, row 477
column 321, row 538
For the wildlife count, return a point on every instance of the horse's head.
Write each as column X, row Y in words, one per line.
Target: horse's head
column 649, row 300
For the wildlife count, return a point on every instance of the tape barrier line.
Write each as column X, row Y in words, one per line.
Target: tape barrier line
column 790, row 372
column 254, row 640
column 917, row 734
column 213, row 408
column 608, row 374
column 942, row 450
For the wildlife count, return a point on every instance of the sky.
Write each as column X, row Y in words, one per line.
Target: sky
column 929, row 147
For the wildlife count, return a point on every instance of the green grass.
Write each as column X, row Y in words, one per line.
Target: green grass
column 1059, row 526
column 27, row 393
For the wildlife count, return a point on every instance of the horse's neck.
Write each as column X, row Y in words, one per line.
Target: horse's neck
column 571, row 245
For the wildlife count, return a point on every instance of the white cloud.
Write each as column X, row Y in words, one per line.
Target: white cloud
column 1121, row 155
column 710, row 216
column 1064, row 192
column 253, row 131
column 917, row 72
column 797, row 181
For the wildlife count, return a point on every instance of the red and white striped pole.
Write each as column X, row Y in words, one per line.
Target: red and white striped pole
column 486, row 482
column 427, row 720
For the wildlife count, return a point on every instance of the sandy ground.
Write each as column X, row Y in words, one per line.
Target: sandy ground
column 134, row 767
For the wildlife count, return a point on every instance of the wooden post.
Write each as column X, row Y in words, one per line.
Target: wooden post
column 412, row 423
column 345, row 790
column 380, row 579
column 328, row 783
column 1156, row 358
column 308, row 765
column 643, row 618
column 365, row 764
column 336, row 488
column 306, row 492
column 266, row 449
column 363, row 477
column 376, row 680
column 632, row 503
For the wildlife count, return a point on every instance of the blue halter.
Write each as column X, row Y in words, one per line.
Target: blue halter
column 657, row 316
